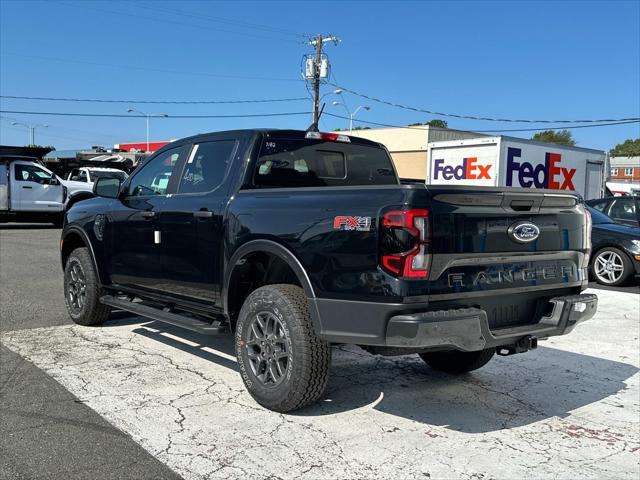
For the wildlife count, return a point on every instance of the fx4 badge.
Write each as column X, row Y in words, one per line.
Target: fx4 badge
column 360, row 224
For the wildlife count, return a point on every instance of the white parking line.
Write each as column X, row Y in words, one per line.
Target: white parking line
column 566, row 410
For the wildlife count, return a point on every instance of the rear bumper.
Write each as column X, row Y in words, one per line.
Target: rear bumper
column 468, row 329
column 464, row 329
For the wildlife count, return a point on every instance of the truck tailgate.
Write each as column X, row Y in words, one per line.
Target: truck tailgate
column 490, row 243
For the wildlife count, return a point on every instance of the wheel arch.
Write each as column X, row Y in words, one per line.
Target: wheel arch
column 73, row 238
column 77, row 197
column 285, row 268
column 602, row 246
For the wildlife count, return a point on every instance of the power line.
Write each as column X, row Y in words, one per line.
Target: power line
column 172, row 22
column 474, row 117
column 186, row 72
column 228, row 21
column 117, row 115
column 564, row 127
column 172, row 102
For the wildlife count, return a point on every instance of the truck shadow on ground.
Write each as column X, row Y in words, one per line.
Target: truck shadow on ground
column 509, row 392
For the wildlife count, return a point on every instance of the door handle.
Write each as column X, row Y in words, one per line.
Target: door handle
column 26, row 186
column 148, row 215
column 203, row 214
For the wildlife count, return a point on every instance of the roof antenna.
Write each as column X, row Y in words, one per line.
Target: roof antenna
column 314, row 126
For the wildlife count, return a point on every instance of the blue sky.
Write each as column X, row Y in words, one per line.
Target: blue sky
column 509, row 59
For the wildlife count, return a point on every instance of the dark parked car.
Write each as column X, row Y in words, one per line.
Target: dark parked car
column 624, row 210
column 615, row 255
column 296, row 240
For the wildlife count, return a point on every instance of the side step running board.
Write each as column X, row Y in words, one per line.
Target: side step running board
column 215, row 328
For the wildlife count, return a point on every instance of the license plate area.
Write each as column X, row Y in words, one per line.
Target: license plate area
column 513, row 310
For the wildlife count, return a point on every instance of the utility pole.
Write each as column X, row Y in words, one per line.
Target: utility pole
column 318, row 43
column 316, row 80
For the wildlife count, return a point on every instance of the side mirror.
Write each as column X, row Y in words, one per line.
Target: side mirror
column 54, row 180
column 107, row 187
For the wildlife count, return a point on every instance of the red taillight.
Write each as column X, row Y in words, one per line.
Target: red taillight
column 416, row 260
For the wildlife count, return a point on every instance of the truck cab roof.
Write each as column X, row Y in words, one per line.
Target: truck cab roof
column 13, row 158
column 269, row 133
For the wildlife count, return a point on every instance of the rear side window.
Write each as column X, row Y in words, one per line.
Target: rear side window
column 207, row 166
column 291, row 163
column 600, row 206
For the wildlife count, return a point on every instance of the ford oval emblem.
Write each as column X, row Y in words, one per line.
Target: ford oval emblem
column 524, row 232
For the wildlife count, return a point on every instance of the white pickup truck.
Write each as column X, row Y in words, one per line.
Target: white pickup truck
column 88, row 175
column 30, row 192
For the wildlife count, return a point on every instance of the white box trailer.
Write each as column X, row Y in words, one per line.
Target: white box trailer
column 516, row 162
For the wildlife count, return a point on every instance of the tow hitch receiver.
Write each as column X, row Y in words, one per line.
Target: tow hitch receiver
column 522, row 345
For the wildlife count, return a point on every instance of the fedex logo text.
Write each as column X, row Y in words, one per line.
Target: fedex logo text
column 545, row 175
column 468, row 170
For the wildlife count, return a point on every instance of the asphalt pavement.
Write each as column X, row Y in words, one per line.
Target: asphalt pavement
column 46, row 431
column 137, row 399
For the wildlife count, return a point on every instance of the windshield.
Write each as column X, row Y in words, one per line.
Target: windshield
column 96, row 174
column 598, row 217
column 315, row 163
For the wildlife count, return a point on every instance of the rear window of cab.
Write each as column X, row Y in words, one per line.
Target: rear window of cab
column 296, row 163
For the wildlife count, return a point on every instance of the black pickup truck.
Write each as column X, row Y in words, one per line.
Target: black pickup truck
column 297, row 240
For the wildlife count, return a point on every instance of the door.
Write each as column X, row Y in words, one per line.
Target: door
column 133, row 227
column 31, row 189
column 593, row 182
column 192, row 222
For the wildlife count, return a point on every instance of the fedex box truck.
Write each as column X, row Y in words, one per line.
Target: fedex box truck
column 515, row 162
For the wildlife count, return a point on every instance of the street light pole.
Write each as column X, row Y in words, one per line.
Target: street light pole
column 32, row 130
column 148, row 119
column 351, row 115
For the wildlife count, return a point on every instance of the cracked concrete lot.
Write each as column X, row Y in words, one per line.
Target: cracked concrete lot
column 569, row 409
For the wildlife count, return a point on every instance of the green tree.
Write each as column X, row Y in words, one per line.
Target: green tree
column 436, row 123
column 561, row 137
column 629, row 148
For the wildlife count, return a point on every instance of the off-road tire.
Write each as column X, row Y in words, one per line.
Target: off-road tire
column 91, row 312
column 307, row 370
column 626, row 265
column 457, row 362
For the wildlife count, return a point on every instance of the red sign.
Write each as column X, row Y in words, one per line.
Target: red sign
column 142, row 146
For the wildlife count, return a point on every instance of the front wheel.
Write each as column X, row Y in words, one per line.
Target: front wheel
column 283, row 364
column 457, row 362
column 611, row 266
column 82, row 290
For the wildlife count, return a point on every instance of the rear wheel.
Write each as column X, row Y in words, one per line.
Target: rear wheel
column 611, row 266
column 456, row 362
column 283, row 364
column 82, row 291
